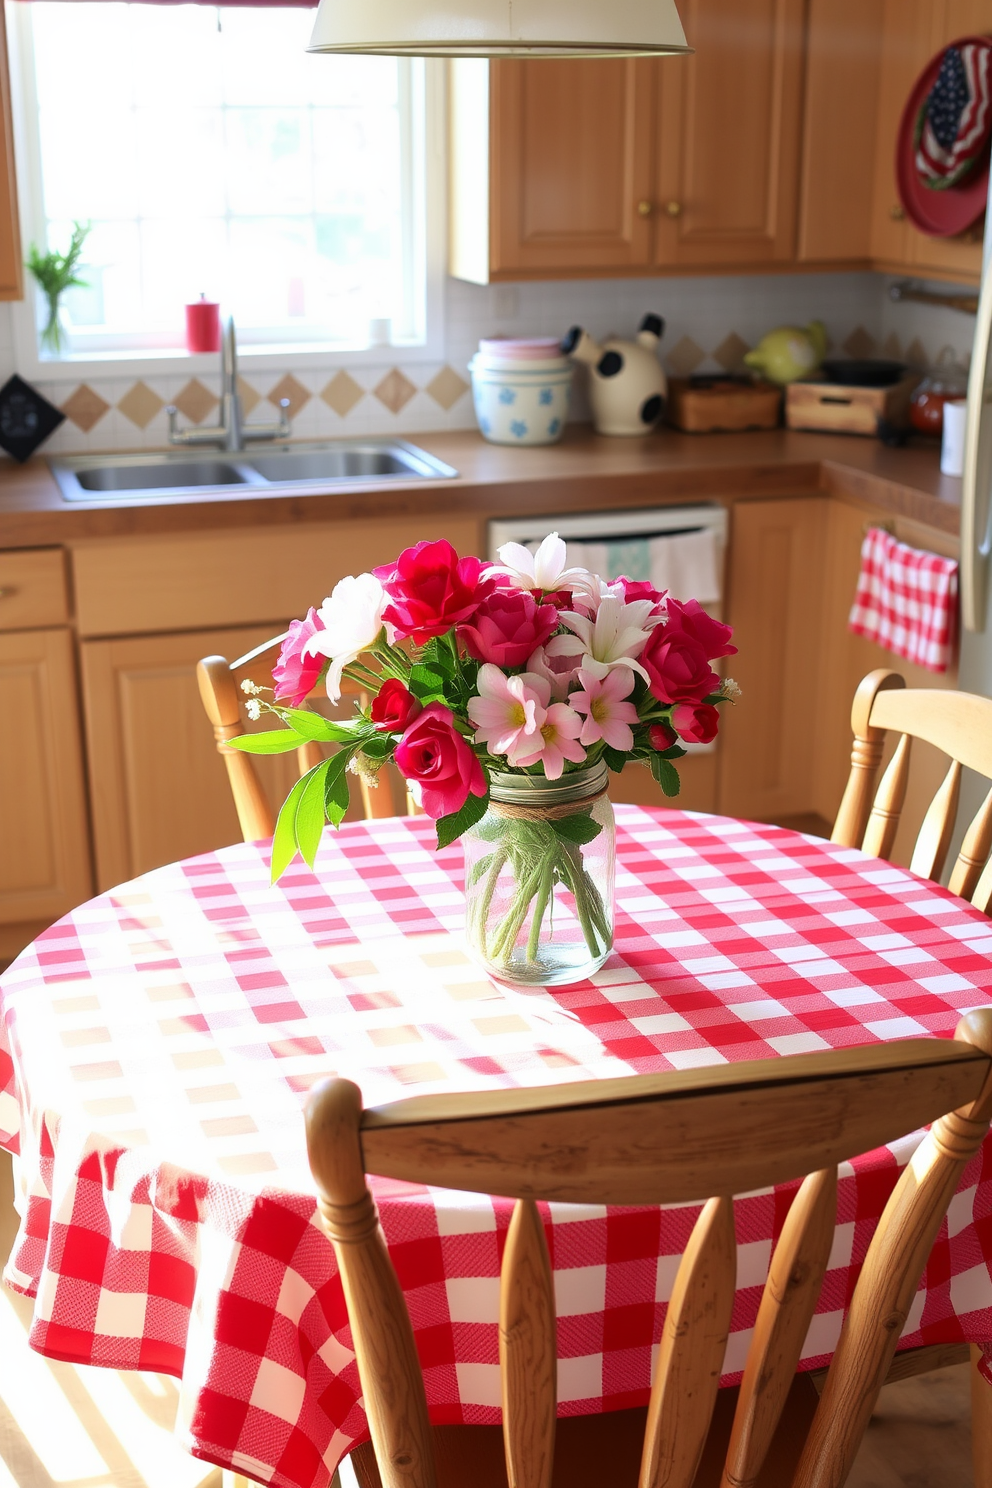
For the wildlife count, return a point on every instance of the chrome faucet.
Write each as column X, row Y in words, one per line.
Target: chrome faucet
column 232, row 433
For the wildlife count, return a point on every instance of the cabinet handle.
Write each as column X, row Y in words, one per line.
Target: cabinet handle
column 645, row 208
column 6, row 593
column 673, row 208
column 897, row 213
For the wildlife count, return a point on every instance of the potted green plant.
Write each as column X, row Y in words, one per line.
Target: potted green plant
column 55, row 273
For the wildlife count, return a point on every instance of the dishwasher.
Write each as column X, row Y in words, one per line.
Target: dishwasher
column 677, row 548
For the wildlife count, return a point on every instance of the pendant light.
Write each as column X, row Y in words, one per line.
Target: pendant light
column 499, row 28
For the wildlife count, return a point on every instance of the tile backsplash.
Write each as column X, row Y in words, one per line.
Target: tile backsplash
column 710, row 323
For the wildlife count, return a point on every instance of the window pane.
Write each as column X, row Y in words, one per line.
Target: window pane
column 212, row 154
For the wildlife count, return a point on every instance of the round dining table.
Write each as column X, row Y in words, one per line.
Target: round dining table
column 158, row 1043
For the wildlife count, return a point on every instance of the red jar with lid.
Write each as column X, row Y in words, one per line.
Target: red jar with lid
column 947, row 381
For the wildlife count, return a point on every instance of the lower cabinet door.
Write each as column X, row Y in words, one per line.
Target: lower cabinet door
column 775, row 605
column 158, row 786
column 44, row 836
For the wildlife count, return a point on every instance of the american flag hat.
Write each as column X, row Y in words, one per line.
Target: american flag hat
column 942, row 148
column 954, row 124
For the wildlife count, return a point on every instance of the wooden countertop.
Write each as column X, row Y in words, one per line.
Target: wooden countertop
column 585, row 472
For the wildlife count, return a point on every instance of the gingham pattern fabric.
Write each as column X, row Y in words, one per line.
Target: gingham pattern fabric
column 158, row 1043
column 907, row 600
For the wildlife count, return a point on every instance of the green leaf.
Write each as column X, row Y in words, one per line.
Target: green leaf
column 272, row 741
column 666, row 774
column 313, row 727
column 336, row 792
column 450, row 828
column 309, row 823
column 379, row 747
column 284, row 837
column 578, row 829
column 479, row 868
column 673, row 752
column 615, row 759
column 426, row 682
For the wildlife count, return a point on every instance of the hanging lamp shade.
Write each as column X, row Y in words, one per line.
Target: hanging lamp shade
column 499, row 28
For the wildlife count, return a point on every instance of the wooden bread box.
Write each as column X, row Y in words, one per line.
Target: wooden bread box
column 833, row 407
column 709, row 405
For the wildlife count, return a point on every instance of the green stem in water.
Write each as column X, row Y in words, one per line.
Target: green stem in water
column 540, row 905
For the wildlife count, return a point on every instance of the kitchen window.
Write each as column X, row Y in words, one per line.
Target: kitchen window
column 212, row 154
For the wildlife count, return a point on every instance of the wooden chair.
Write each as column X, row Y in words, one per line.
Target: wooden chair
column 957, row 723
column 694, row 1135
column 223, row 701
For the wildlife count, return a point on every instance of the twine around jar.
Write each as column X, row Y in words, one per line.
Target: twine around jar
column 543, row 813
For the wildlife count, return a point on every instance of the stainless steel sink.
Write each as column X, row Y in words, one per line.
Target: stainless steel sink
column 317, row 466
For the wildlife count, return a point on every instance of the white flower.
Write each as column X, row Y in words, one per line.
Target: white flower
column 614, row 637
column 352, row 617
column 544, row 570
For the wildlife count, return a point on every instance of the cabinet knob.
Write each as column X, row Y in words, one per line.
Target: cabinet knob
column 645, row 208
column 5, row 593
column 673, row 208
column 897, row 213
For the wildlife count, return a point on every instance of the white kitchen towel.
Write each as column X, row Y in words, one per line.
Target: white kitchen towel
column 686, row 564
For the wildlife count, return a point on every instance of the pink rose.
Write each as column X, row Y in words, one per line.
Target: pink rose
column 712, row 635
column 434, row 754
column 640, row 589
column 697, row 723
column 677, row 666
column 662, row 737
column 507, row 627
column 395, row 707
column 432, row 589
column 294, row 674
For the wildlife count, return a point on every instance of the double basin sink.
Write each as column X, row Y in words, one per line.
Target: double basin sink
column 322, row 466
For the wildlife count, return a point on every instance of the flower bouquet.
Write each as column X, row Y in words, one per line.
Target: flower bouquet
column 504, row 693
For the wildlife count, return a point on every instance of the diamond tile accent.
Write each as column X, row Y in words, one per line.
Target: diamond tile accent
column 288, row 387
column 892, row 347
column 730, row 353
column 140, row 404
column 85, row 407
column 447, row 387
column 916, row 353
column 250, row 399
column 196, row 401
column 859, row 343
column 684, row 357
column 395, row 390
column 342, row 393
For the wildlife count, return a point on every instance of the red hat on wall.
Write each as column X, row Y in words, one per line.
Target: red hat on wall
column 942, row 149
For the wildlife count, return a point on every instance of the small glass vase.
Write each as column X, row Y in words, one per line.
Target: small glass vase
column 539, row 876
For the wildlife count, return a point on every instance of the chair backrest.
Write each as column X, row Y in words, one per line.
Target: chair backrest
column 223, row 705
column 957, row 723
column 699, row 1135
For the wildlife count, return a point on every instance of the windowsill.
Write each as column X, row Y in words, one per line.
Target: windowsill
column 172, row 361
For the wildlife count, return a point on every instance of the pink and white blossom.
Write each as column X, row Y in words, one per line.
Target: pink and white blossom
column 558, row 671
column 615, row 636
column 352, row 619
column 546, row 570
column 558, row 741
column 509, row 711
column 607, row 716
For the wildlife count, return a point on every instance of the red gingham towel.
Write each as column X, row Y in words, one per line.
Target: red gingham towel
column 907, row 600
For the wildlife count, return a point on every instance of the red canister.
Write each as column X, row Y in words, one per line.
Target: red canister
column 203, row 325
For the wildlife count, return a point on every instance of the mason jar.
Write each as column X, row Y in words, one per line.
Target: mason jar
column 539, row 878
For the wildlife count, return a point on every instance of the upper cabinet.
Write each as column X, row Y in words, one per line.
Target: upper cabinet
column 727, row 136
column 11, row 268
column 772, row 146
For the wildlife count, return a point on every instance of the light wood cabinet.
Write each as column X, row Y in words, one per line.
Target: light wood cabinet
column 44, row 833
column 728, row 136
column 774, row 602
column 914, row 30
column 572, row 168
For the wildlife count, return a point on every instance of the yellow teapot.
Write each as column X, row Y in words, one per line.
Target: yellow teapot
column 790, row 352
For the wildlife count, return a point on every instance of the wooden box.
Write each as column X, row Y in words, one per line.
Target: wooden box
column 834, row 408
column 716, row 404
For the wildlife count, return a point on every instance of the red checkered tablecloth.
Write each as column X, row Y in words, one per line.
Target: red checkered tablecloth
column 158, row 1042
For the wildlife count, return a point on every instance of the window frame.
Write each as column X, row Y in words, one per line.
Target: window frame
column 260, row 357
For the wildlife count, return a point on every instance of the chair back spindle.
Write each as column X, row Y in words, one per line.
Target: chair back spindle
column 217, row 679
column 699, row 1135
column 959, row 724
